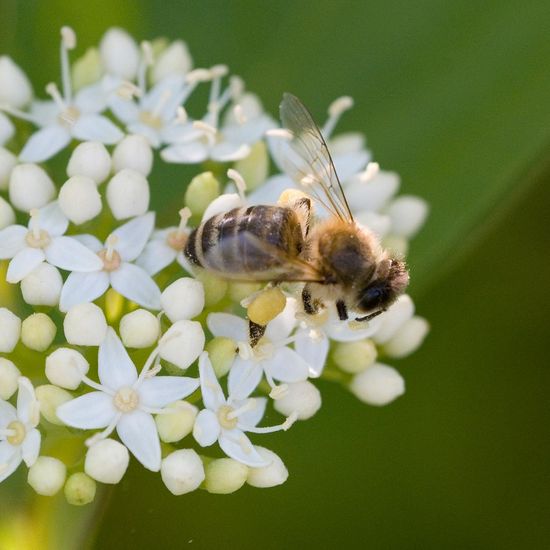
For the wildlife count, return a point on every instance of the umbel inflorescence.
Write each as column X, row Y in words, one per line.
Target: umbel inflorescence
column 111, row 344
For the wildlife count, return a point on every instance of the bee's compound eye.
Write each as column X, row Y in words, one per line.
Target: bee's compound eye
column 373, row 297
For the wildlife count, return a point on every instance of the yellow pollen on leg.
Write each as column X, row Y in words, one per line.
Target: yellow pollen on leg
column 126, row 400
column 18, row 433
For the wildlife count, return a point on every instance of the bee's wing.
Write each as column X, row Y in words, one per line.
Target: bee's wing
column 307, row 159
column 245, row 257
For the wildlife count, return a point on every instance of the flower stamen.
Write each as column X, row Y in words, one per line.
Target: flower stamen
column 336, row 109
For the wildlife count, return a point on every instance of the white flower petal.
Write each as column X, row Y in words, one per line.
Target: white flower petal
column 281, row 327
column 123, row 109
column 10, row 458
column 7, row 413
column 115, row 368
column 53, row 220
column 227, row 325
column 252, row 416
column 88, row 412
column 138, row 431
column 340, row 331
column 223, row 203
column 23, row 263
column 150, row 134
column 212, row 394
column 244, row 378
column 287, row 366
column 67, row 253
column 26, row 402
column 235, row 444
column 91, row 99
column 136, row 284
column 313, row 350
column 89, row 241
column 133, row 236
column 96, row 128
column 12, row 240
column 270, row 191
column 207, row 428
column 159, row 391
column 156, row 256
column 45, row 143
column 30, row 447
column 348, row 164
column 80, row 288
column 227, row 151
column 186, row 153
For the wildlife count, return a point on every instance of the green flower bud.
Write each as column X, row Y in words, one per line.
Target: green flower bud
column 221, row 352
column 202, row 190
column 255, row 167
column 224, row 476
column 173, row 426
column 80, row 489
column 38, row 331
column 87, row 69
column 214, row 287
column 49, row 398
column 354, row 357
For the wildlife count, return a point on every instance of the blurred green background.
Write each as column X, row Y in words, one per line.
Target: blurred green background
column 455, row 96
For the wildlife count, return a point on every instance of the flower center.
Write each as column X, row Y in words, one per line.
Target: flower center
column 126, row 399
column 176, row 240
column 264, row 349
column 38, row 238
column 225, row 418
column 68, row 116
column 109, row 256
column 151, row 119
column 18, row 433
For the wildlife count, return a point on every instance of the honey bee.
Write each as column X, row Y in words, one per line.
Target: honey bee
column 338, row 260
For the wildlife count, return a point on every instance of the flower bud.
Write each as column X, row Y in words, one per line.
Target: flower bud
column 9, row 376
column 128, row 194
column 119, row 53
column 7, row 163
column 42, row 286
column 90, row 159
column 378, row 385
column 182, row 343
column 79, row 199
column 224, row 476
column 176, row 424
column 38, row 331
column 47, row 475
column 182, row 471
column 86, row 69
column 302, row 398
column 15, row 88
column 354, row 357
column 85, row 325
column 183, row 299
column 254, row 168
column 396, row 245
column 80, row 489
column 66, row 367
column 390, row 321
column 408, row 213
column 7, row 129
column 7, row 215
column 267, row 476
column 49, row 398
column 10, row 330
column 202, row 190
column 408, row 338
column 266, row 306
column 135, row 153
column 221, row 352
column 374, row 193
column 214, row 287
column 173, row 60
column 139, row 329
column 107, row 461
column 30, row 187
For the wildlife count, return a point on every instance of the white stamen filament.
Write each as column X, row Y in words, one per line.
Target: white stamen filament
column 17, row 113
column 269, row 429
column 147, row 367
column 112, row 241
column 239, row 114
column 335, row 111
column 7, row 433
column 68, row 42
column 128, row 90
column 369, row 172
column 282, row 133
column 34, row 223
column 250, row 405
column 181, row 116
column 239, row 182
column 97, row 386
column 53, row 91
column 105, row 433
column 236, row 83
column 198, row 75
column 209, row 131
column 185, row 214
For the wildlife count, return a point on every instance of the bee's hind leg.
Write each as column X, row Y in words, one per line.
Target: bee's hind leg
column 342, row 310
column 255, row 332
column 310, row 307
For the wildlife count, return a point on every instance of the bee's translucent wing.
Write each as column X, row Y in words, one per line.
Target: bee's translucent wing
column 306, row 158
column 245, row 257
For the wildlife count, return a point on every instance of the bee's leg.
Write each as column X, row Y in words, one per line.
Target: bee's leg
column 310, row 307
column 367, row 318
column 303, row 208
column 342, row 310
column 255, row 332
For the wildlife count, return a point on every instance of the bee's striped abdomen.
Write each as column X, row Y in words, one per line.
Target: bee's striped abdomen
column 243, row 240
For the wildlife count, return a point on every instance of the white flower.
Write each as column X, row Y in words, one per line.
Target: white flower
column 270, row 356
column 182, row 471
column 15, row 88
column 302, row 399
column 268, row 476
column 133, row 152
column 126, row 402
column 183, row 299
column 107, row 461
column 42, row 286
column 30, row 187
column 67, row 116
column 226, row 420
column 41, row 241
column 174, row 59
column 204, row 139
column 9, row 376
column 85, row 325
column 19, row 438
column 119, row 53
column 378, row 385
column 10, row 330
column 79, row 199
column 90, row 159
column 47, row 475
column 121, row 248
column 128, row 194
column 7, row 129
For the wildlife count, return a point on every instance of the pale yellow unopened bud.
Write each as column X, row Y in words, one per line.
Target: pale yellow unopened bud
column 354, row 357
column 139, row 329
column 175, row 425
column 87, row 69
column 80, row 489
column 254, row 168
column 49, row 398
column 224, row 476
column 239, row 291
column 268, row 476
column 214, row 287
column 47, row 475
column 202, row 190
column 10, row 330
column 182, row 471
column 9, row 375
column 38, row 331
column 221, row 352
column 266, row 306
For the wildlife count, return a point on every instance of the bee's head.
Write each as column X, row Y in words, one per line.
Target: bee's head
column 389, row 281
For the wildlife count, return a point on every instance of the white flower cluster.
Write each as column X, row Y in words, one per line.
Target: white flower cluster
column 125, row 338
